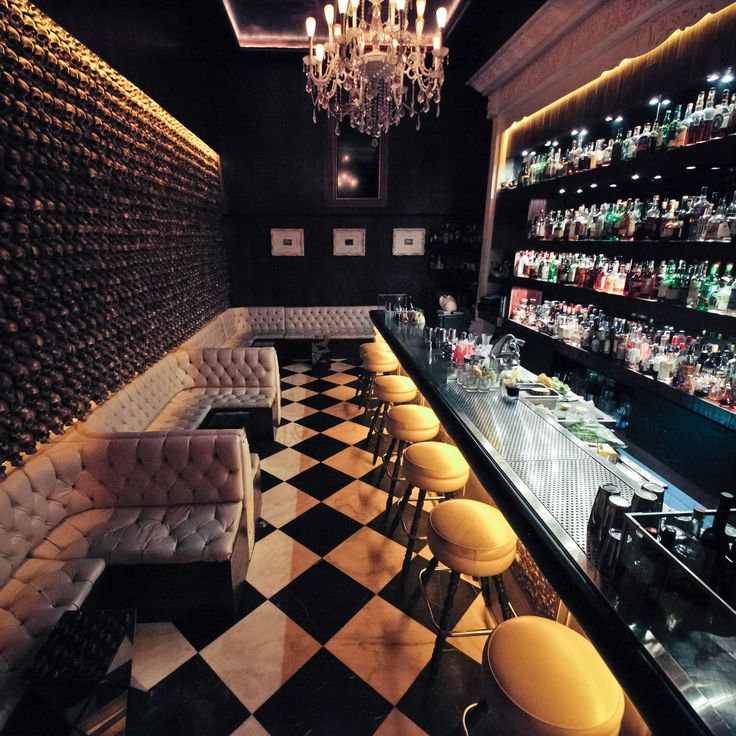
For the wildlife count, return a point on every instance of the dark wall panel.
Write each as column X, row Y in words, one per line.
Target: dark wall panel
column 111, row 246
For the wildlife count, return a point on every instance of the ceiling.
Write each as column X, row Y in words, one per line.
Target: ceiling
column 271, row 24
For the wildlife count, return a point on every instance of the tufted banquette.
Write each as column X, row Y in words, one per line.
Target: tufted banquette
column 239, row 326
column 162, row 522
column 179, row 391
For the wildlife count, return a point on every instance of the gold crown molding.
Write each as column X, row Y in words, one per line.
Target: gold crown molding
column 587, row 40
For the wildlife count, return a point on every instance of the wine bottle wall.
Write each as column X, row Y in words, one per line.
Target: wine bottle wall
column 111, row 248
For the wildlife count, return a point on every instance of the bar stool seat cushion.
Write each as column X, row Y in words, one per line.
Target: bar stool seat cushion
column 556, row 681
column 380, row 361
column 471, row 537
column 394, row 389
column 412, row 423
column 372, row 347
column 435, row 466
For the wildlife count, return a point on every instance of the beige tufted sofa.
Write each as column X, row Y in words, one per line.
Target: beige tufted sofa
column 160, row 510
column 239, row 326
column 177, row 392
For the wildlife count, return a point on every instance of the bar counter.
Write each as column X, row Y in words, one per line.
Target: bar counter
column 544, row 481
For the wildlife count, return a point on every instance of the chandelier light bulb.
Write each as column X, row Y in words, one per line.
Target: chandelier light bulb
column 400, row 5
column 421, row 5
column 311, row 27
column 338, row 30
column 354, row 4
column 441, row 17
column 437, row 42
column 342, row 6
column 320, row 53
column 330, row 14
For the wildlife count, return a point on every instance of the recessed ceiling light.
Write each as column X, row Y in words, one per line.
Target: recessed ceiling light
column 613, row 186
column 525, row 153
column 579, row 191
column 635, row 176
column 574, row 131
column 609, row 118
column 619, row 119
column 658, row 176
column 562, row 191
column 593, row 186
column 690, row 168
column 714, row 77
column 715, row 168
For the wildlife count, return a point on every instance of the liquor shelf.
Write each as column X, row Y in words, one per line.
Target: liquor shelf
column 636, row 249
column 543, row 480
column 663, row 163
column 679, row 316
column 626, row 376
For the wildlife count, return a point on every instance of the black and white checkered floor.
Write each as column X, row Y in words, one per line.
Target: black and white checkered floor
column 333, row 637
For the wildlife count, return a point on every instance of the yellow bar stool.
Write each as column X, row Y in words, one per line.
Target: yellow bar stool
column 434, row 468
column 390, row 391
column 541, row 678
column 405, row 424
column 471, row 538
column 379, row 360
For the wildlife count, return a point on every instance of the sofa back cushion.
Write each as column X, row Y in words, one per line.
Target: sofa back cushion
column 136, row 405
column 165, row 468
column 314, row 322
column 37, row 497
column 228, row 367
column 212, row 335
column 254, row 321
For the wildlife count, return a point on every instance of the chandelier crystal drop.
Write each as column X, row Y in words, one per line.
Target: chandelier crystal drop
column 374, row 70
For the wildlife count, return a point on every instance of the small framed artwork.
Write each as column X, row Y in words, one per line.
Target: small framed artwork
column 287, row 242
column 346, row 242
column 408, row 241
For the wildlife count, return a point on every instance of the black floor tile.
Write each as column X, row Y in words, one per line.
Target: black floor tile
column 320, row 447
column 319, row 401
column 353, row 371
column 324, row 698
column 389, row 526
column 268, row 481
column 404, row 593
column 319, row 385
column 321, row 528
column 266, row 449
column 200, row 634
column 440, row 694
column 192, row 699
column 320, row 481
column 285, row 401
column 322, row 600
column 263, row 529
column 319, row 421
column 284, row 372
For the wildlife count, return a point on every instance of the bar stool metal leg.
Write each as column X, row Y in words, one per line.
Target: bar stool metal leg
column 386, row 457
column 379, row 436
column 379, row 410
column 397, row 468
column 444, row 624
column 412, row 534
column 506, row 608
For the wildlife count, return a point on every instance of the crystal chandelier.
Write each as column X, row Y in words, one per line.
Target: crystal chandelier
column 375, row 71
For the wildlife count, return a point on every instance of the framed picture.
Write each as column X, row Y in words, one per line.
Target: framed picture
column 346, row 242
column 287, row 242
column 408, row 241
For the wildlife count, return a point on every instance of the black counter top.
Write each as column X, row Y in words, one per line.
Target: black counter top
column 544, row 481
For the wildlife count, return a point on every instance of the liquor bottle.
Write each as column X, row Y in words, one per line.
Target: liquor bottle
column 629, row 149
column 642, row 142
column 693, row 126
column 731, row 218
column 669, row 228
column 698, row 210
column 683, row 217
column 607, row 153
column 708, row 287
column 722, row 296
column 652, row 217
column 616, row 149
column 664, row 130
column 731, row 129
column 717, row 227
column 696, row 282
column 715, row 542
column 709, row 113
column 674, row 127
column 666, row 274
column 720, row 119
